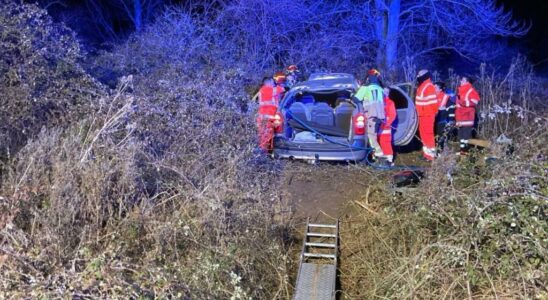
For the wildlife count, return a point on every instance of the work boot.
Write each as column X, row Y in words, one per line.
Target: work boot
column 384, row 163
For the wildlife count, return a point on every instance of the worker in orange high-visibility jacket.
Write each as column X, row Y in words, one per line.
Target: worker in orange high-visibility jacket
column 465, row 112
column 426, row 103
column 442, row 97
column 269, row 96
column 385, row 132
column 280, row 79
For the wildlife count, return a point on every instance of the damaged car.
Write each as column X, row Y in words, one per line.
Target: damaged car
column 319, row 120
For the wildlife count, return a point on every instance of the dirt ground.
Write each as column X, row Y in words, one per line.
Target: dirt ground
column 322, row 189
column 326, row 190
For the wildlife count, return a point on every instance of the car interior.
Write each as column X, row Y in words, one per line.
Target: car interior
column 328, row 113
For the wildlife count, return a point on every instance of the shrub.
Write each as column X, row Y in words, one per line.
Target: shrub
column 41, row 80
column 156, row 192
column 473, row 228
column 100, row 210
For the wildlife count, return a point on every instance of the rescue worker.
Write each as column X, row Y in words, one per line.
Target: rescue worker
column 426, row 103
column 280, row 79
column 446, row 114
column 269, row 97
column 465, row 112
column 372, row 98
column 441, row 95
column 292, row 76
column 385, row 133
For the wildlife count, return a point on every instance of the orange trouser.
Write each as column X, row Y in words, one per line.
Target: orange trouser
column 426, row 131
column 265, row 132
column 385, row 140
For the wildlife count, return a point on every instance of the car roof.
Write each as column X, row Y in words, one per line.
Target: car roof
column 327, row 81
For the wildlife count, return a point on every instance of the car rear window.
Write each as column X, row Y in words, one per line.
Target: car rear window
column 332, row 99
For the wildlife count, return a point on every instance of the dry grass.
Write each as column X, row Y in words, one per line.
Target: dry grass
column 144, row 198
column 471, row 230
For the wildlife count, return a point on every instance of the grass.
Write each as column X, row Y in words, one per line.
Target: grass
column 471, row 230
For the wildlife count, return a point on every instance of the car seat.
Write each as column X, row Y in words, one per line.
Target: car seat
column 343, row 115
column 322, row 114
column 300, row 111
column 307, row 99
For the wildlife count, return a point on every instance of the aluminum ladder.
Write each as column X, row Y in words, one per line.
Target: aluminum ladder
column 317, row 276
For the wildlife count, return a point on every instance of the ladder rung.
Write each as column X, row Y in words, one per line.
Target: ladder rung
column 324, row 245
column 317, row 234
column 322, row 225
column 319, row 255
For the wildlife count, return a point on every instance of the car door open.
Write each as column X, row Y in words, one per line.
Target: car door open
column 406, row 123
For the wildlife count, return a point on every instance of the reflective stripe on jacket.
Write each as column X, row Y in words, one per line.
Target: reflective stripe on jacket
column 426, row 100
column 467, row 100
column 269, row 97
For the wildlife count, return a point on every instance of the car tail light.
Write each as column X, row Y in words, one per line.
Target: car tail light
column 277, row 122
column 359, row 124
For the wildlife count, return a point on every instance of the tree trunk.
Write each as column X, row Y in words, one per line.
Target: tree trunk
column 138, row 15
column 387, row 25
column 380, row 31
column 392, row 34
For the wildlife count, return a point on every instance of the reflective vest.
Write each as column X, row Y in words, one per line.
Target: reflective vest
column 467, row 100
column 269, row 97
column 426, row 100
column 372, row 99
column 390, row 114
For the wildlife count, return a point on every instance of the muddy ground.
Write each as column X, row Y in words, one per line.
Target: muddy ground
column 327, row 191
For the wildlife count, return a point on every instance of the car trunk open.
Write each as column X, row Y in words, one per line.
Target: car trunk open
column 310, row 115
column 313, row 115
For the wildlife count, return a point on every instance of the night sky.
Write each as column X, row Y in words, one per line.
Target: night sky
column 535, row 44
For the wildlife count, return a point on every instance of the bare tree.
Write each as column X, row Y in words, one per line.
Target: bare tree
column 384, row 31
column 419, row 27
column 139, row 11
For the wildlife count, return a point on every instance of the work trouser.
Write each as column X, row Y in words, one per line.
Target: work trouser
column 464, row 134
column 372, row 132
column 385, row 141
column 426, row 131
column 265, row 132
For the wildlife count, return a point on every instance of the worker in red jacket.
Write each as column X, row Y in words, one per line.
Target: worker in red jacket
column 465, row 113
column 442, row 97
column 385, row 132
column 269, row 96
column 426, row 102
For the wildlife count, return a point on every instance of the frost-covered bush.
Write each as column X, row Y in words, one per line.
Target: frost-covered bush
column 473, row 228
column 147, row 197
column 41, row 81
column 156, row 192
